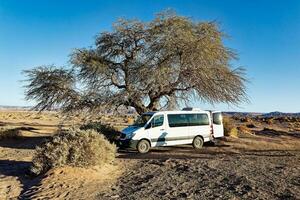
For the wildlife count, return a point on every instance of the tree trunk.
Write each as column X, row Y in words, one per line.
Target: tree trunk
column 139, row 107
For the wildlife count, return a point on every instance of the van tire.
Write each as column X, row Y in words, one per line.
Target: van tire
column 198, row 142
column 143, row 146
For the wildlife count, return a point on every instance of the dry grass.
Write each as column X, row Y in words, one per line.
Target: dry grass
column 270, row 121
column 79, row 148
column 229, row 127
column 244, row 129
column 28, row 115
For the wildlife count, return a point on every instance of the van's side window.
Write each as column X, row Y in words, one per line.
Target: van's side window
column 178, row 120
column 198, row 119
column 217, row 118
column 157, row 121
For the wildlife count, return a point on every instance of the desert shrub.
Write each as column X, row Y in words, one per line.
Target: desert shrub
column 251, row 125
column 245, row 119
column 229, row 127
column 74, row 147
column 297, row 124
column 237, row 118
column 9, row 132
column 244, row 129
column 270, row 120
column 234, row 132
column 108, row 131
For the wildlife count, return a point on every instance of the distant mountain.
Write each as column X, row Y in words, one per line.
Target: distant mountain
column 243, row 114
column 281, row 114
column 266, row 115
column 2, row 107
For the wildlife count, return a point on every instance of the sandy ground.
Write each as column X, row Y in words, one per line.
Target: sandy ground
column 261, row 165
column 61, row 183
column 210, row 174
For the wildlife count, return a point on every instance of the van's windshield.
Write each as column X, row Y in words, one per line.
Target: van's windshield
column 142, row 120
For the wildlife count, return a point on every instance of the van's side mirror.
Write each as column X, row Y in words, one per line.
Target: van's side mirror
column 148, row 126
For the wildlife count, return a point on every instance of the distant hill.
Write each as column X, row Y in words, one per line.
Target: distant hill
column 267, row 115
column 243, row 114
column 2, row 107
column 281, row 114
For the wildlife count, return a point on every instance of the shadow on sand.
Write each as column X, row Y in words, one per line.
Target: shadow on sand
column 177, row 152
column 209, row 151
column 26, row 124
column 276, row 133
column 20, row 170
column 14, row 138
column 23, row 142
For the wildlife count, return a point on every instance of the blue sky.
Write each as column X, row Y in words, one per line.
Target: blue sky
column 266, row 35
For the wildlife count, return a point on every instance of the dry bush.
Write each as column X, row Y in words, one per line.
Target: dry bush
column 297, row 125
column 284, row 119
column 234, row 132
column 245, row 119
column 270, row 120
column 237, row 118
column 74, row 147
column 244, row 129
column 251, row 125
column 108, row 131
column 229, row 127
column 9, row 132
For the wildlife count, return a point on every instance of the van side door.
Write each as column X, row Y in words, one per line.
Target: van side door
column 178, row 129
column 218, row 129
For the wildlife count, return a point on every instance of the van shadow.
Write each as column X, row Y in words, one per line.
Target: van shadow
column 177, row 152
column 163, row 154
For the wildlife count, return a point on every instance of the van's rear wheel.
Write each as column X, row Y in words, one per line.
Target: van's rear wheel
column 198, row 142
column 143, row 146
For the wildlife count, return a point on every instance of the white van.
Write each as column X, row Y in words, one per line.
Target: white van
column 168, row 128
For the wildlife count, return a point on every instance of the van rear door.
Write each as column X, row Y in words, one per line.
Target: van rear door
column 218, row 129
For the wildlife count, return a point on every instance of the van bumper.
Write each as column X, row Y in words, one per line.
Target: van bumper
column 127, row 143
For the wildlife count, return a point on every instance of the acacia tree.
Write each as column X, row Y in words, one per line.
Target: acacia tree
column 148, row 66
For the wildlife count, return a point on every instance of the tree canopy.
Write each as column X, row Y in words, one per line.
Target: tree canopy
column 146, row 65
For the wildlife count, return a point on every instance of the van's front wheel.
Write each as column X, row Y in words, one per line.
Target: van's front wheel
column 198, row 142
column 143, row 146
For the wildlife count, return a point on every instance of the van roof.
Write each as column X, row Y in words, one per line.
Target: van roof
column 191, row 109
column 176, row 112
column 213, row 111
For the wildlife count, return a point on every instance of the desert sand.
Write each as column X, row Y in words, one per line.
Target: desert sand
column 262, row 163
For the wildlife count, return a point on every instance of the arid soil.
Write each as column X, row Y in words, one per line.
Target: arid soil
column 208, row 174
column 62, row 183
column 262, row 163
